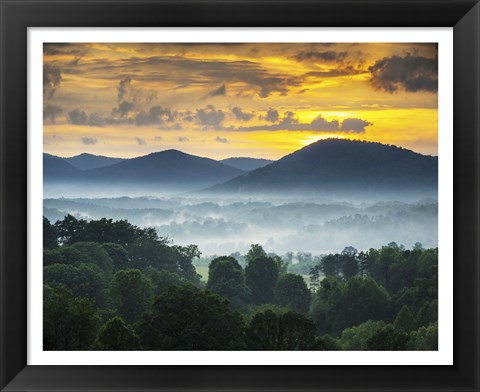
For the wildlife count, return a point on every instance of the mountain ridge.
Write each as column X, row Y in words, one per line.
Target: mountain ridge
column 246, row 163
column 169, row 168
column 340, row 165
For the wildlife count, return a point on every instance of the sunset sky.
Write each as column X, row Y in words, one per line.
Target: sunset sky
column 224, row 100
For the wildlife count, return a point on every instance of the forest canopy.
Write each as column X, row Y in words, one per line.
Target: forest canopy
column 110, row 285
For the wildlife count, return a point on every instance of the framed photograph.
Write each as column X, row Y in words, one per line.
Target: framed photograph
column 242, row 196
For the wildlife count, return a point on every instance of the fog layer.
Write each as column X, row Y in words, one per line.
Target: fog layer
column 228, row 225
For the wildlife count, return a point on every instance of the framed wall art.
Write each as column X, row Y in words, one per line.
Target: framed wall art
column 242, row 196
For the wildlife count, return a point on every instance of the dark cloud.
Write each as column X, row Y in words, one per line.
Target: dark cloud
column 123, row 109
column 62, row 48
column 123, row 88
column 410, row 73
column 51, row 112
column 186, row 72
column 75, row 61
column 140, row 141
column 327, row 56
column 289, row 118
column 272, row 115
column 210, row 117
column 276, row 84
column 241, row 115
column 221, row 140
column 94, row 120
column 89, row 140
column 220, row 91
column 183, row 139
column 130, row 97
column 52, row 76
column 333, row 73
column 156, row 115
column 321, row 123
column 355, row 125
column 79, row 117
column 289, row 122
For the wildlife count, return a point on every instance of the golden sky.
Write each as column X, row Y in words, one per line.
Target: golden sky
column 224, row 100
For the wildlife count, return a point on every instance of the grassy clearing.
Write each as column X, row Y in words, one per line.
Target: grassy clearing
column 203, row 271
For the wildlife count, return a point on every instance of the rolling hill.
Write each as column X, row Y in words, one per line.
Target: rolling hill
column 57, row 169
column 334, row 166
column 89, row 161
column 165, row 169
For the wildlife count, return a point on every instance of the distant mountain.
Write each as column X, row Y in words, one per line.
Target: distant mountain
column 89, row 161
column 57, row 169
column 342, row 166
column 246, row 164
column 46, row 155
column 169, row 169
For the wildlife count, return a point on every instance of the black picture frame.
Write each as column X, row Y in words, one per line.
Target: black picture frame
column 18, row 15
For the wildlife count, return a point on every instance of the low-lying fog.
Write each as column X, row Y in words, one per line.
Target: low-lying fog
column 230, row 224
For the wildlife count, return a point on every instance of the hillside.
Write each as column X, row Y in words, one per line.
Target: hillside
column 89, row 161
column 337, row 165
column 246, row 164
column 57, row 169
column 169, row 167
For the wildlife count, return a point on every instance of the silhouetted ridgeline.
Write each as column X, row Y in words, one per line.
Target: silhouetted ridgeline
column 335, row 168
column 169, row 168
column 336, row 165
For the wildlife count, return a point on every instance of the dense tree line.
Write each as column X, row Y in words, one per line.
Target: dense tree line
column 110, row 285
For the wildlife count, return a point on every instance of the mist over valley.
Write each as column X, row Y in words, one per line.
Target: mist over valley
column 320, row 199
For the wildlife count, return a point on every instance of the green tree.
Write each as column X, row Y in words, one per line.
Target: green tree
column 427, row 314
column 153, row 252
column 404, row 322
column 70, row 229
column 314, row 278
column 356, row 338
column 428, row 263
column 184, row 256
column 69, row 322
column 282, row 264
column 388, row 339
column 255, row 251
column 131, row 294
column 403, row 271
column 162, row 280
column 226, row 278
column 357, row 301
column 188, row 318
column 72, row 256
column 116, row 335
column 425, row 339
column 287, row 331
column 319, row 313
column 97, row 255
column 330, row 265
column 52, row 256
column 348, row 266
column 261, row 275
column 118, row 254
column 50, row 237
column 292, row 292
column 86, row 280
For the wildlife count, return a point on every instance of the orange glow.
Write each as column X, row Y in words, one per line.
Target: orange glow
column 220, row 100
